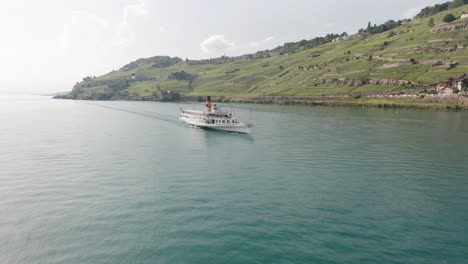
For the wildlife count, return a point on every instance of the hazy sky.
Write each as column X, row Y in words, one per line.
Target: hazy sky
column 49, row 45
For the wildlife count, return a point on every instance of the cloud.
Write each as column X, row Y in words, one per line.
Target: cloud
column 84, row 28
column 130, row 11
column 263, row 42
column 216, row 44
column 137, row 9
column 163, row 29
column 412, row 12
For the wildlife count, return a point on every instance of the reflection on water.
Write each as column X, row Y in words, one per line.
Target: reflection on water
column 110, row 182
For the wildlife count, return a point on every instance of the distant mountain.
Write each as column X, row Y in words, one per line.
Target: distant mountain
column 395, row 57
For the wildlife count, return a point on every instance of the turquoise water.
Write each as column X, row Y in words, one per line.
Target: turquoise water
column 125, row 182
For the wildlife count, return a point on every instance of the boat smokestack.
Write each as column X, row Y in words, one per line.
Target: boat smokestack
column 208, row 103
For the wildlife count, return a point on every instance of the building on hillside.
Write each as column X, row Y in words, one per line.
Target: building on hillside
column 166, row 96
column 464, row 15
column 460, row 83
column 453, row 85
column 444, row 89
column 337, row 39
column 341, row 38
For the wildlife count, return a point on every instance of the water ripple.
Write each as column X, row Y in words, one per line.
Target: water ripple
column 124, row 182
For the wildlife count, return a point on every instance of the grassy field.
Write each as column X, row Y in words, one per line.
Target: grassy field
column 357, row 58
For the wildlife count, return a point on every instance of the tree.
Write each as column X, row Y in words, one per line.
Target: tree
column 432, row 10
column 457, row 3
column 449, row 18
column 431, row 23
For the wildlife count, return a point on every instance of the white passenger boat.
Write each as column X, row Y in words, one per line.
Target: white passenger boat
column 215, row 118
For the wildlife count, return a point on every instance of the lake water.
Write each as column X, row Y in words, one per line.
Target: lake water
column 126, row 182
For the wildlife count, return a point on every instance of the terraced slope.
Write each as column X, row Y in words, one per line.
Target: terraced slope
column 411, row 56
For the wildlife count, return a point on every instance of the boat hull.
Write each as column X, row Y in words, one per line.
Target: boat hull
column 241, row 128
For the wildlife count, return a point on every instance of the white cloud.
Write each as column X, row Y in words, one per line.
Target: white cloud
column 83, row 28
column 263, row 42
column 330, row 25
column 86, row 29
column 163, row 29
column 410, row 13
column 130, row 11
column 136, row 9
column 216, row 44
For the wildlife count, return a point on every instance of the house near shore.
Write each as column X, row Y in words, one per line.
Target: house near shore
column 166, row 96
column 444, row 89
column 453, row 85
column 464, row 15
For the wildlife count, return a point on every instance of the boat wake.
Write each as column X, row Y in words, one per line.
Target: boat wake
column 160, row 117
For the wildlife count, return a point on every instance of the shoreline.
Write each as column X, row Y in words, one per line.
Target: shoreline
column 387, row 105
column 458, row 105
column 445, row 103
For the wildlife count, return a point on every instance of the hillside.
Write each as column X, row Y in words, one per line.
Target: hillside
column 412, row 56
